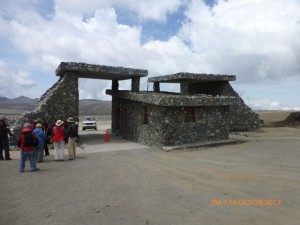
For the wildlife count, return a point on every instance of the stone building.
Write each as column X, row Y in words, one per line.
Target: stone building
column 206, row 108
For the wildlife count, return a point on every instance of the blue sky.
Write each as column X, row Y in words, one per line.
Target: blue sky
column 255, row 40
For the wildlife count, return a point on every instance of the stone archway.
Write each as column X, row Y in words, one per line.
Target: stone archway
column 62, row 99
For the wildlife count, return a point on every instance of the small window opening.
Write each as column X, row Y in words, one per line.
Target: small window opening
column 189, row 115
column 145, row 115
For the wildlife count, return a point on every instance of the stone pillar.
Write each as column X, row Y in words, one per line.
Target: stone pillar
column 135, row 84
column 156, row 87
column 115, row 85
column 184, row 88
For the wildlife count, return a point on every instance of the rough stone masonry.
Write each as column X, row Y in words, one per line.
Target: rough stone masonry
column 206, row 108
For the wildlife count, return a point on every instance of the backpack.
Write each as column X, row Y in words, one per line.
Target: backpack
column 29, row 140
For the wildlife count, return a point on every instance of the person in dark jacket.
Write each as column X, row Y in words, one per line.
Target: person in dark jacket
column 73, row 134
column 48, row 133
column 27, row 151
column 4, row 132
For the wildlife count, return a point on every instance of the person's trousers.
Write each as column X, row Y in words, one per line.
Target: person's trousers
column 24, row 156
column 39, row 154
column 72, row 147
column 46, row 148
column 59, row 150
column 4, row 146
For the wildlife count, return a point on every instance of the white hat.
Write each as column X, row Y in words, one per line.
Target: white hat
column 59, row 122
column 70, row 120
column 38, row 125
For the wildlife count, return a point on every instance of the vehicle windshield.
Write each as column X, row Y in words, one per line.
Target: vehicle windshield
column 89, row 118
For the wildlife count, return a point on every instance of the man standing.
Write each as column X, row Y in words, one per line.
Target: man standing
column 4, row 131
column 73, row 134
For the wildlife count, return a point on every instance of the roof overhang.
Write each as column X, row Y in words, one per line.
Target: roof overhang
column 177, row 100
column 192, row 78
column 83, row 70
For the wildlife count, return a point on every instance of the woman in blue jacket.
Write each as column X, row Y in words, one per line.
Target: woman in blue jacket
column 39, row 150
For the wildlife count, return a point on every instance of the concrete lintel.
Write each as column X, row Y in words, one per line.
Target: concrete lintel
column 192, row 78
column 174, row 100
column 84, row 70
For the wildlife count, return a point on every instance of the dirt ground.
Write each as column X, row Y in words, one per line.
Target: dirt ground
column 255, row 181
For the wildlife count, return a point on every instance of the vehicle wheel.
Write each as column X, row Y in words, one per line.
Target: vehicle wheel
column 95, row 128
column 83, row 128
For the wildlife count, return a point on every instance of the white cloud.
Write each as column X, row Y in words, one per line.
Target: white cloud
column 172, row 56
column 94, row 89
column 246, row 38
column 154, row 9
column 16, row 83
column 255, row 40
column 267, row 104
column 23, row 78
column 48, row 42
column 150, row 9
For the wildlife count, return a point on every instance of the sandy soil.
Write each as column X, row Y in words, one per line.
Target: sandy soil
column 273, row 116
column 121, row 182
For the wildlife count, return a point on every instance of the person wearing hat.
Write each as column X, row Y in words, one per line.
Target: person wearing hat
column 58, row 141
column 27, row 142
column 73, row 134
column 33, row 125
column 39, row 150
column 4, row 132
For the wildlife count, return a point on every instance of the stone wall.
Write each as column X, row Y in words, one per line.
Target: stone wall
column 58, row 102
column 242, row 117
column 167, row 125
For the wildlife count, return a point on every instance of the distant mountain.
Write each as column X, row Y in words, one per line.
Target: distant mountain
column 2, row 98
column 94, row 107
column 17, row 106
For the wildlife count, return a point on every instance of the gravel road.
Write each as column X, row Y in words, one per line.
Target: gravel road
column 123, row 183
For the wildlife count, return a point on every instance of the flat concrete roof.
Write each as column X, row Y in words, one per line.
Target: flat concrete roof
column 191, row 78
column 178, row 100
column 84, row 70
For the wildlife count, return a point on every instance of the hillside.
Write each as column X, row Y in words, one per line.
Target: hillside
column 17, row 106
column 94, row 107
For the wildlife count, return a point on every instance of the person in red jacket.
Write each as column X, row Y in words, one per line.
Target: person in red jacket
column 58, row 141
column 27, row 143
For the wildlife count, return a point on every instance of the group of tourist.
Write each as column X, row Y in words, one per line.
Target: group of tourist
column 34, row 138
column 60, row 134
